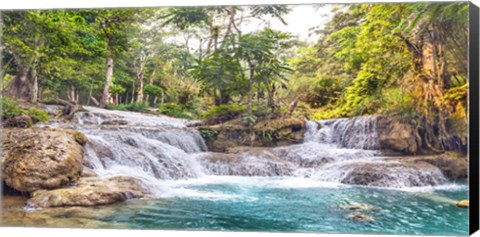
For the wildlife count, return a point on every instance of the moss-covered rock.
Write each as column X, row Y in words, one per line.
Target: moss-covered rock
column 79, row 137
column 265, row 133
column 40, row 158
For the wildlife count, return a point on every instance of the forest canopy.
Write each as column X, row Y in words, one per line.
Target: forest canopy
column 407, row 60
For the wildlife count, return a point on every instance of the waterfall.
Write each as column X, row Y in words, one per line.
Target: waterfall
column 358, row 132
column 148, row 147
column 346, row 151
column 156, row 149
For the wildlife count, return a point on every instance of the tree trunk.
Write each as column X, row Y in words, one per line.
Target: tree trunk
column 250, row 90
column 133, row 93
column 140, row 71
column 20, row 86
column 106, row 97
column 34, row 79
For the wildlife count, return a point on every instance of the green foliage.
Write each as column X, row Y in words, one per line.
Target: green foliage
column 117, row 89
column 11, row 109
column 38, row 115
column 224, row 112
column 249, row 119
column 153, row 90
column 134, row 107
column 208, row 133
column 174, row 110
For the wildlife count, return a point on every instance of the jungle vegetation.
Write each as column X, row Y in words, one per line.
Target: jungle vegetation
column 406, row 60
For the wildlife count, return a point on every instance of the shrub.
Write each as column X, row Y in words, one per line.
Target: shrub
column 135, row 107
column 174, row 110
column 38, row 115
column 222, row 113
column 11, row 109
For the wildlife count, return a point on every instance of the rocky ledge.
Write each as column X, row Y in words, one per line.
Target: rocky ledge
column 265, row 133
column 89, row 192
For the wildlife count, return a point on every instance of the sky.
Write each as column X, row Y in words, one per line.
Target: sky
column 300, row 20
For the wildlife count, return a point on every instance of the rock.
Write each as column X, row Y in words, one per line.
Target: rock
column 14, row 214
column 266, row 133
column 396, row 136
column 359, row 207
column 78, row 136
column 87, row 172
column 20, row 121
column 463, row 203
column 453, row 166
column 114, row 122
column 246, row 161
column 360, row 217
column 89, row 192
column 40, row 158
column 391, row 174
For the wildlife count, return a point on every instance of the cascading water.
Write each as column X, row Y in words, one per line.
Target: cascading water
column 158, row 148
column 345, row 151
column 147, row 147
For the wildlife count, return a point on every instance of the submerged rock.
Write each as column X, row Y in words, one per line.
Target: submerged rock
column 41, row 158
column 359, row 207
column 360, row 217
column 14, row 214
column 89, row 192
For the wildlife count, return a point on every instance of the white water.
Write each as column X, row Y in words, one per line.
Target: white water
column 166, row 156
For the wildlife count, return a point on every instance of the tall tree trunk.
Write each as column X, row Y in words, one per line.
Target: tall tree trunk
column 34, row 84
column 106, row 97
column 140, row 72
column 250, row 90
column 133, row 92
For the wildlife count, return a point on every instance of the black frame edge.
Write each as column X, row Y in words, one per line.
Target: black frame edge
column 474, row 117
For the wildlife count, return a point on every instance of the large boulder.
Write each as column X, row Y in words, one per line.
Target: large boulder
column 397, row 137
column 41, row 158
column 89, row 192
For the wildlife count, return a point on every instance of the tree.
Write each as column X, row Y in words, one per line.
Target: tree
column 264, row 67
column 113, row 25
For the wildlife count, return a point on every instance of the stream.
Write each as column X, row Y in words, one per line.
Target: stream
column 302, row 190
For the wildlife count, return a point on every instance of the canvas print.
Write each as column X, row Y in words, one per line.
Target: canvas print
column 332, row 118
